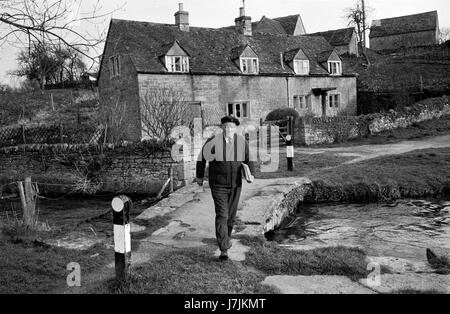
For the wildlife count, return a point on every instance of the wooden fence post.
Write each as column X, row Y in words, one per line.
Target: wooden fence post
column 53, row 104
column 27, row 198
column 170, row 174
column 121, row 206
column 29, row 218
column 106, row 133
column 61, row 133
column 23, row 135
column 22, row 196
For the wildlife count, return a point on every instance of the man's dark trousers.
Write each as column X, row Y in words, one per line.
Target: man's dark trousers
column 225, row 180
column 226, row 202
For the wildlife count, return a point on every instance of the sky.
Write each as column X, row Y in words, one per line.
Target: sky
column 317, row 15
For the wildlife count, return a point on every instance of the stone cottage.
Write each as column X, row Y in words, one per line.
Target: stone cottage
column 344, row 40
column 222, row 71
column 405, row 31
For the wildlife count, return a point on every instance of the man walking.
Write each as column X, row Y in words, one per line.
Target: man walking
column 225, row 153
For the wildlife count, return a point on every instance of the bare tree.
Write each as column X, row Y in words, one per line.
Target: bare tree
column 444, row 34
column 53, row 23
column 358, row 16
column 163, row 110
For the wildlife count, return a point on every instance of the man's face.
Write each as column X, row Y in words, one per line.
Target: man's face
column 229, row 129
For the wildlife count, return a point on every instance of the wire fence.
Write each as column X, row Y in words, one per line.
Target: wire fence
column 52, row 134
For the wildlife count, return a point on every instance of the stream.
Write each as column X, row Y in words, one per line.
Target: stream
column 404, row 228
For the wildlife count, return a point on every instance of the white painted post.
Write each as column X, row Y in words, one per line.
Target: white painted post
column 290, row 153
column 122, row 238
column 290, row 145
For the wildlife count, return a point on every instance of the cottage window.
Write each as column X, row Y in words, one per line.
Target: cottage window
column 114, row 66
column 301, row 67
column 238, row 110
column 300, row 102
column 334, row 100
column 177, row 64
column 250, row 65
column 335, row 67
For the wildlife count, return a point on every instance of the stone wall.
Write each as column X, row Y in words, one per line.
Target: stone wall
column 121, row 169
column 426, row 110
column 311, row 131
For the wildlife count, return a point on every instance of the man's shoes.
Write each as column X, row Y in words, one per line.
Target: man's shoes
column 223, row 256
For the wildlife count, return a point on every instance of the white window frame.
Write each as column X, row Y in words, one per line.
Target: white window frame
column 334, row 100
column 300, row 65
column 238, row 107
column 335, row 67
column 301, row 102
column 114, row 66
column 254, row 65
column 177, row 64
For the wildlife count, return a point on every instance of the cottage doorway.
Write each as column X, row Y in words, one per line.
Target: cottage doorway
column 323, row 99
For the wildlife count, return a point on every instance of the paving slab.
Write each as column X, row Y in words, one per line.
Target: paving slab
column 316, row 285
column 393, row 283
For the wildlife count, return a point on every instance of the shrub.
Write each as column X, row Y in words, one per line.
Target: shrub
column 282, row 114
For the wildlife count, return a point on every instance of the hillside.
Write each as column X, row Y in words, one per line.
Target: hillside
column 70, row 107
column 413, row 70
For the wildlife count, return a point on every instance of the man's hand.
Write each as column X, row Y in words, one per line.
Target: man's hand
column 199, row 181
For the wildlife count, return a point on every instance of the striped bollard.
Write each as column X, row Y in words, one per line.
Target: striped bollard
column 122, row 238
column 290, row 153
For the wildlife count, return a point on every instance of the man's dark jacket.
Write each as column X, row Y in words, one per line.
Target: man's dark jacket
column 225, row 172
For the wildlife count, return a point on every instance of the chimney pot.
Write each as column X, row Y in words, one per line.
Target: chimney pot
column 182, row 18
column 241, row 11
column 243, row 23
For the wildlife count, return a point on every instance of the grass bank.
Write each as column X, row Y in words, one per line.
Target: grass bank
column 303, row 165
column 190, row 271
column 31, row 267
column 272, row 259
column 415, row 174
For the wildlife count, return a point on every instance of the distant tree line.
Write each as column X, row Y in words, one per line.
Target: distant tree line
column 48, row 64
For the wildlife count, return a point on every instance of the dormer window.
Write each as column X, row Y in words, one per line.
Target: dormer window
column 245, row 58
column 177, row 64
column 301, row 67
column 176, row 59
column 297, row 61
column 335, row 67
column 249, row 65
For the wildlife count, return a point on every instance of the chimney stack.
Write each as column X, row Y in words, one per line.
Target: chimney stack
column 243, row 23
column 182, row 18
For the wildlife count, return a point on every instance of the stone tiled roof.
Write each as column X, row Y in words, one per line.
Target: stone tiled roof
column 337, row 37
column 269, row 26
column 288, row 22
column 284, row 25
column 210, row 50
column 405, row 24
column 324, row 56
